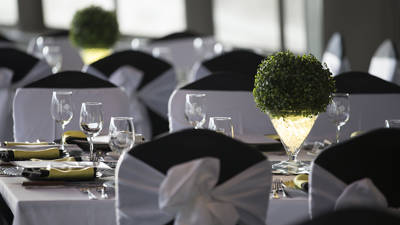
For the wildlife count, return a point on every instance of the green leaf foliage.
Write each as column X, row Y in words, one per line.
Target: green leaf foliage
column 286, row 84
column 94, row 27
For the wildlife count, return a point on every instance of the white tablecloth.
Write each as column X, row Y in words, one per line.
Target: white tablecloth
column 54, row 206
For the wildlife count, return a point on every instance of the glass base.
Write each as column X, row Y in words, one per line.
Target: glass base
column 291, row 167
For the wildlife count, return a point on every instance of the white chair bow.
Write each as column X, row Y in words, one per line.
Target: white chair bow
column 329, row 193
column 189, row 194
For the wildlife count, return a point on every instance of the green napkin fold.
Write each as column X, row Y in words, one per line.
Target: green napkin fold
column 20, row 155
column 73, row 174
column 301, row 181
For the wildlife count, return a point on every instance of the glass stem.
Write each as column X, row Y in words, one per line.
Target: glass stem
column 337, row 133
column 91, row 154
column 62, row 136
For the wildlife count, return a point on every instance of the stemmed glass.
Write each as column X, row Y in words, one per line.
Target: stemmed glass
column 53, row 56
column 339, row 111
column 195, row 110
column 91, row 122
column 222, row 125
column 122, row 134
column 61, row 110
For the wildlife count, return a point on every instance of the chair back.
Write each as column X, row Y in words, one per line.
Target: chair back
column 334, row 55
column 371, row 155
column 240, row 61
column 186, row 146
column 228, row 94
column 384, row 62
column 148, row 82
column 372, row 101
column 31, row 108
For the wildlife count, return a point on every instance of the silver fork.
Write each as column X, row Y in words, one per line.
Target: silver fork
column 281, row 188
column 275, row 194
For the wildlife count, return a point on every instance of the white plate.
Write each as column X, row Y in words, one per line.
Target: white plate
column 61, row 165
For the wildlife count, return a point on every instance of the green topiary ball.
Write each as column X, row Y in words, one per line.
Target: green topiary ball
column 289, row 85
column 94, row 27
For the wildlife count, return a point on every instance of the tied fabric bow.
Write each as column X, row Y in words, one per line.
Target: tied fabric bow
column 188, row 194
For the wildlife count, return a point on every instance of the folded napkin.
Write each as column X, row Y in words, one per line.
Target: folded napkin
column 74, row 134
column 88, row 173
column 65, row 159
column 301, row 182
column 273, row 136
column 19, row 155
column 10, row 143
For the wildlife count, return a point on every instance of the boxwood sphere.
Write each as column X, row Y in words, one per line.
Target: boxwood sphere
column 286, row 85
column 94, row 27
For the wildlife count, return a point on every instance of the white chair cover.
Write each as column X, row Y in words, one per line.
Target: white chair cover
column 71, row 59
column 32, row 117
column 329, row 193
column 334, row 56
column 367, row 112
column 154, row 95
column 384, row 63
column 39, row 71
column 246, row 117
column 5, row 104
column 188, row 193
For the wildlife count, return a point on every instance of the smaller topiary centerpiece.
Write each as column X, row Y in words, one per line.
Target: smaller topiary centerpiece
column 292, row 90
column 95, row 31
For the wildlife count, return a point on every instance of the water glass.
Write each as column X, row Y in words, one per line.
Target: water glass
column 195, row 110
column 339, row 111
column 61, row 110
column 53, row 56
column 222, row 125
column 392, row 123
column 122, row 134
column 91, row 123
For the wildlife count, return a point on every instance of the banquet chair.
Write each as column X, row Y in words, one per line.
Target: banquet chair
column 360, row 172
column 31, row 108
column 71, row 59
column 334, row 55
column 204, row 178
column 147, row 81
column 372, row 101
column 384, row 63
column 180, row 52
column 355, row 216
column 16, row 70
column 241, row 61
column 228, row 94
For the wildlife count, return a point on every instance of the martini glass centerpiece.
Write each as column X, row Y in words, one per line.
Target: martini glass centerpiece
column 292, row 90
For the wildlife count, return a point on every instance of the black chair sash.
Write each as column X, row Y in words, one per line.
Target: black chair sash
column 176, row 36
column 17, row 61
column 166, row 151
column 227, row 81
column 151, row 66
column 363, row 83
column 373, row 155
column 241, row 61
column 71, row 79
column 6, row 216
column 355, row 216
column 152, row 69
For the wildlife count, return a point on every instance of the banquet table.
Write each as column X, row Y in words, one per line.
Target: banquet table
column 68, row 205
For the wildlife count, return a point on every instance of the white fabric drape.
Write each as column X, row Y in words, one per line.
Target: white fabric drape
column 384, row 63
column 334, row 56
column 5, row 104
column 247, row 119
column 329, row 193
column 32, row 117
column 198, row 71
column 188, row 193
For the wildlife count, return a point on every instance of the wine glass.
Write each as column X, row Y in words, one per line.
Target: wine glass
column 53, row 56
column 339, row 111
column 222, row 125
column 195, row 111
column 394, row 123
column 91, row 122
column 61, row 110
column 122, row 134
